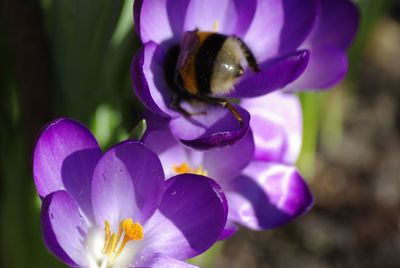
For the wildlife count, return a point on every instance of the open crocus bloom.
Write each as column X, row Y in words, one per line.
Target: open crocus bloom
column 284, row 36
column 116, row 209
column 261, row 194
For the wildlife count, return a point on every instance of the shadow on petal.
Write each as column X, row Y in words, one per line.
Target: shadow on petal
column 77, row 172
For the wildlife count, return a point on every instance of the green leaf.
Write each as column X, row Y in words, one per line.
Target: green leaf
column 139, row 130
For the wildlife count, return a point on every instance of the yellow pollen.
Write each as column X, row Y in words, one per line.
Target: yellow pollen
column 185, row 168
column 216, row 24
column 113, row 245
column 134, row 231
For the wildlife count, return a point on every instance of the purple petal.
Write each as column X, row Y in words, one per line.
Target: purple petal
column 148, row 79
column 149, row 258
column 245, row 11
column 327, row 66
column 190, row 218
column 64, row 157
column 232, row 17
column 277, row 124
column 227, row 163
column 160, row 21
column 203, row 14
column 279, row 26
column 336, row 25
column 64, row 228
column 152, row 21
column 128, row 182
column 273, row 75
column 333, row 32
column 176, row 12
column 170, row 151
column 164, row 22
column 154, row 121
column 300, row 17
column 268, row 196
column 229, row 230
column 157, row 136
column 215, row 126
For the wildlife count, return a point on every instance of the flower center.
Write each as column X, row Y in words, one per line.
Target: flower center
column 185, row 168
column 113, row 244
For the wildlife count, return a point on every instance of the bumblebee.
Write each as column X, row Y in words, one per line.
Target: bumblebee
column 208, row 66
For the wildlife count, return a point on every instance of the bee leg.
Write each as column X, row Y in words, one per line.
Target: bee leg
column 251, row 60
column 233, row 110
column 176, row 105
column 225, row 103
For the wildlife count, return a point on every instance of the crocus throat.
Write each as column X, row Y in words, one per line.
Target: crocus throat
column 185, row 168
column 113, row 245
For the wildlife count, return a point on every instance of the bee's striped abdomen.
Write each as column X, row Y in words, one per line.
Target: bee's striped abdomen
column 205, row 59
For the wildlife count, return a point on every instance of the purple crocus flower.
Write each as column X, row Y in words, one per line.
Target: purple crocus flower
column 264, row 190
column 286, row 37
column 116, row 209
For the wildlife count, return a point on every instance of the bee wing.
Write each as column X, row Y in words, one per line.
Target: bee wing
column 190, row 41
